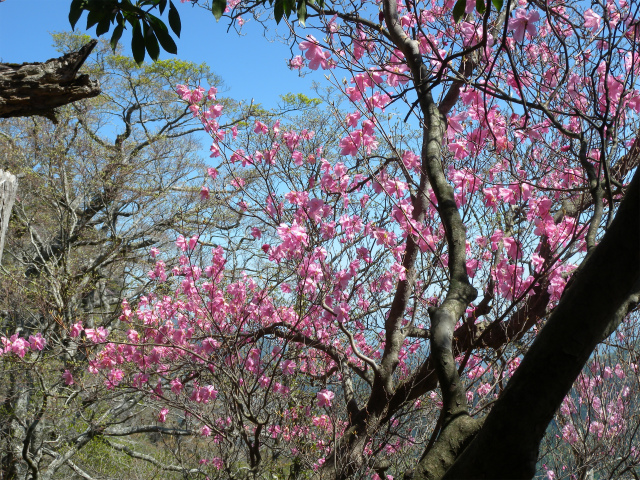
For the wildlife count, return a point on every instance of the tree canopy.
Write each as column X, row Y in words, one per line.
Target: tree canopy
column 431, row 272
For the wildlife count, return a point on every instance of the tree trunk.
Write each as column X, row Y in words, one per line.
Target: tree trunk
column 601, row 294
column 8, row 189
column 38, row 88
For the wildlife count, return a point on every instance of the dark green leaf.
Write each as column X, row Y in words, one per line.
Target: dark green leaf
column 103, row 26
column 75, row 12
column 96, row 15
column 137, row 43
column 162, row 33
column 115, row 37
column 151, row 43
column 278, row 10
column 218, row 7
column 302, row 12
column 289, row 7
column 497, row 4
column 458, row 10
column 174, row 19
column 162, row 4
column 480, row 6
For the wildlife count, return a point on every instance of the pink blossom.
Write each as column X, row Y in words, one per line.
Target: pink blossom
column 459, row 150
column 181, row 243
column 238, row 183
column 204, row 193
column 378, row 100
column 350, row 144
column 114, row 378
column 96, row 335
column 19, row 346
column 484, row 389
column 352, row 119
column 260, row 127
column 324, row 398
column 411, row 160
column 162, row 415
column 215, row 111
column 596, row 428
column 183, row 91
column 472, row 34
column 315, row 54
column 215, row 152
column 523, row 23
column 205, row 431
column 569, row 434
column 186, row 245
column 298, row 158
column 592, row 20
column 296, row 63
column 294, row 236
column 176, row 386
column 76, row 329
column 454, row 122
column 496, row 238
column 514, row 251
column 37, row 341
column 363, row 253
column 68, row 377
column 288, row 367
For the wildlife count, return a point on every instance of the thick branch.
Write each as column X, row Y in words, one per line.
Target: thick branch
column 595, row 303
column 453, row 440
column 38, row 88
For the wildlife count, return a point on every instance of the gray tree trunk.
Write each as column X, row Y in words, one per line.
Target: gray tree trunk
column 8, row 189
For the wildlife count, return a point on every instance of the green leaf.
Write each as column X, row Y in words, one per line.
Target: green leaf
column 174, row 19
column 95, row 16
column 115, row 37
column 75, row 12
column 103, row 26
column 137, row 43
column 289, row 6
column 151, row 42
column 302, row 12
column 163, row 5
column 162, row 33
column 218, row 7
column 480, row 6
column 278, row 10
column 458, row 10
column 497, row 4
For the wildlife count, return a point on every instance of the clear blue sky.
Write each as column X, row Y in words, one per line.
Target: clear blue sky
column 251, row 66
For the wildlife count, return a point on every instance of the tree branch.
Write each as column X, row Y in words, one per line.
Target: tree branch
column 38, row 88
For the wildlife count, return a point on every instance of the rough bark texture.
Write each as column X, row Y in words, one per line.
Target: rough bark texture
column 8, row 189
column 453, row 440
column 38, row 88
column 600, row 295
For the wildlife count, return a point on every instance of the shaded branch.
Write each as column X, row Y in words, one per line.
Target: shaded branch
column 38, row 88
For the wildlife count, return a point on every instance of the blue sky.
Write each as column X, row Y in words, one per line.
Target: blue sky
column 251, row 65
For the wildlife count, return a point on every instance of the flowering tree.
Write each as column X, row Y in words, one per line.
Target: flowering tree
column 408, row 283
column 115, row 176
